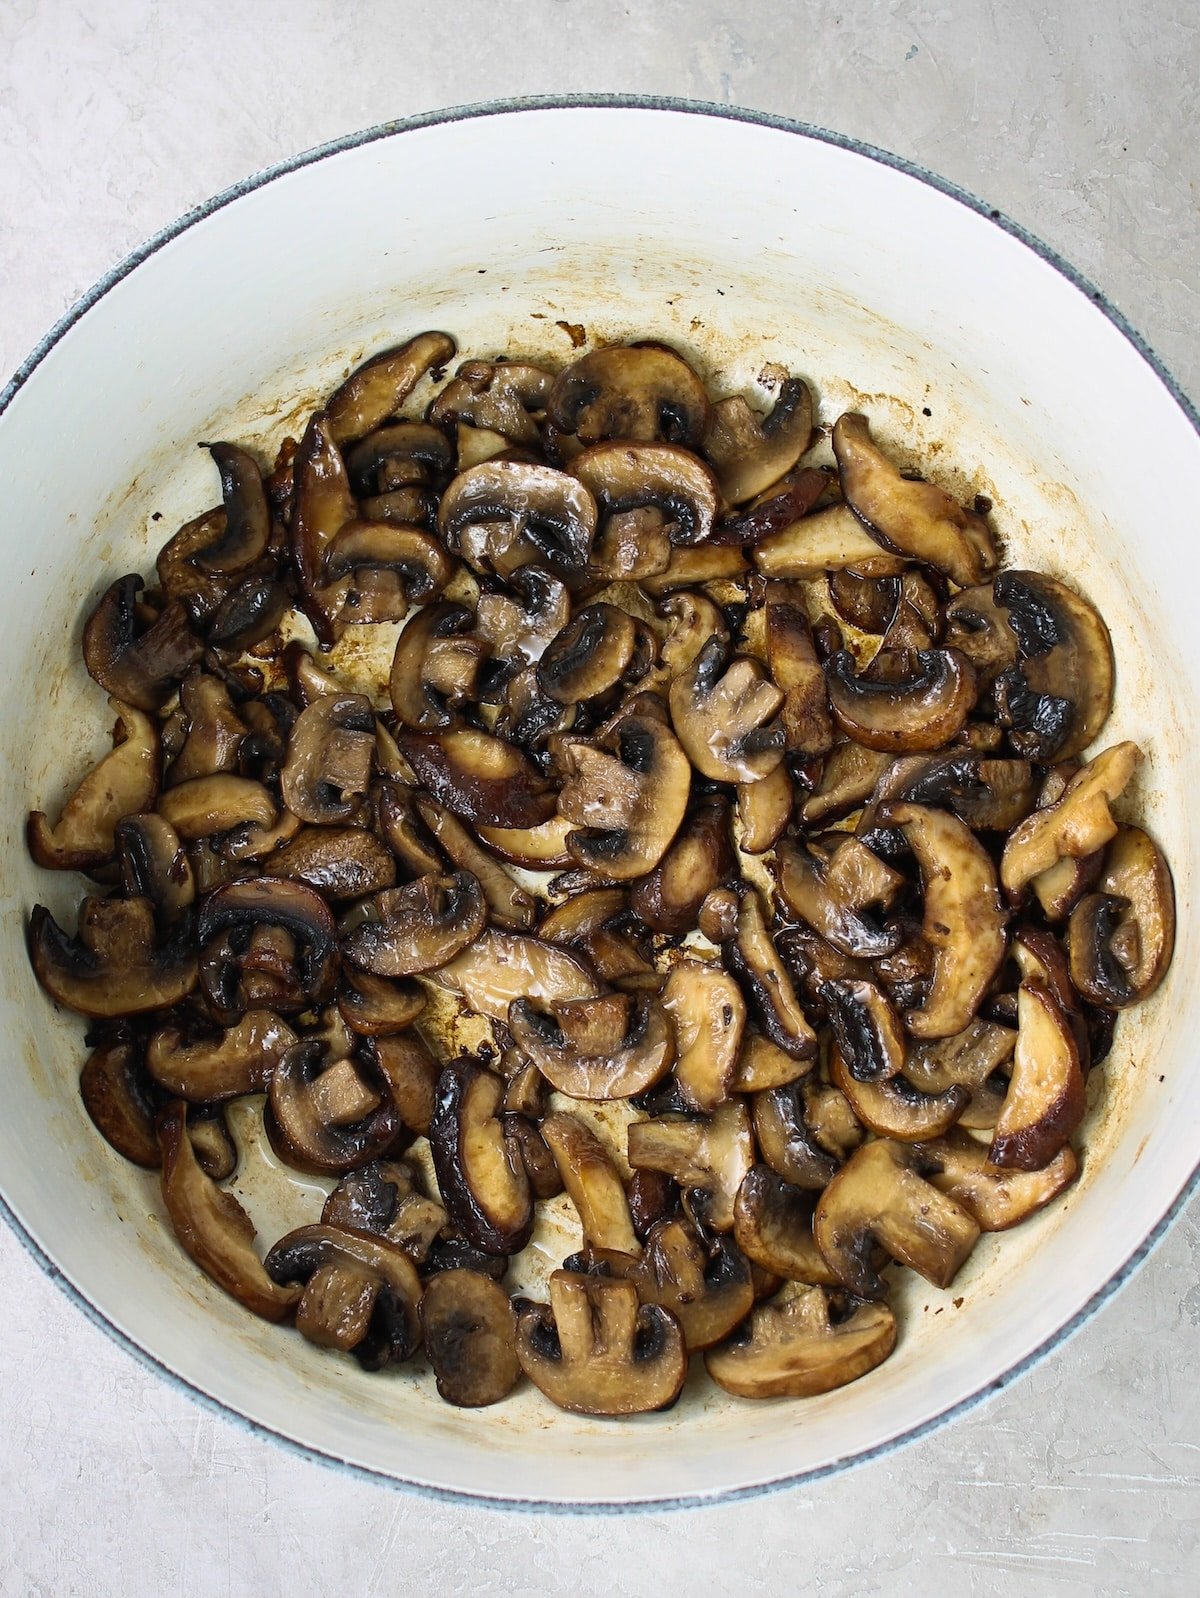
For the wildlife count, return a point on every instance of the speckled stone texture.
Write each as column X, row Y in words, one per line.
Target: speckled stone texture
column 1080, row 121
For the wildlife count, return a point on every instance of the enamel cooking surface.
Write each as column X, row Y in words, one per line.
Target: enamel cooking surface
column 742, row 244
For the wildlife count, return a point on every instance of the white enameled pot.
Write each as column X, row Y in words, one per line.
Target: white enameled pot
column 741, row 241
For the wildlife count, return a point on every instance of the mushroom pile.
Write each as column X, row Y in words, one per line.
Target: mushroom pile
column 744, row 806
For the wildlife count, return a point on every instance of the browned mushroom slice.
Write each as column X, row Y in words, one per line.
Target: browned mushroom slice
column 708, row 1014
column 212, row 1226
column 124, row 783
column 481, row 778
column 499, row 395
column 379, row 568
column 436, row 667
column 250, row 613
column 520, row 623
column 832, row 894
column 1057, row 696
column 384, row 1198
column 411, row 1073
column 828, row 540
column 1078, row 824
column 691, row 619
column 115, row 966
column 503, row 514
column 970, row 1060
column 803, row 1343
column 924, row 709
column 870, row 1037
column 282, row 929
column 750, row 451
column 113, row 1088
column 796, row 670
column 401, row 829
column 627, row 792
column 539, row 848
column 1045, row 1100
column 417, row 928
column 479, row 1171
column 502, row 966
column 138, row 667
column 361, row 1294
column 594, row 653
column 707, row 1289
column 625, row 477
column 779, row 506
column 154, row 865
column 713, row 1155
column 378, row 388
column 330, row 754
column 752, row 956
column 339, row 862
column 322, row 504
column 959, row 1165
column 764, row 810
column 668, row 899
column 879, row 1198
column 399, row 456
column 214, row 729
column 632, row 544
column 470, row 1338
column 205, row 1070
column 508, row 905
column 868, row 603
column 642, row 392
column 539, row 1163
column 206, row 806
column 848, row 777
column 989, row 795
column 963, row 919
column 328, row 1117
column 595, row 1351
column 978, row 627
column 703, row 563
column 785, row 1140
column 723, row 712
column 773, row 1226
column 612, row 1047
column 1122, row 937
column 762, row 1065
column 893, row 1107
column 592, row 1182
column 915, row 519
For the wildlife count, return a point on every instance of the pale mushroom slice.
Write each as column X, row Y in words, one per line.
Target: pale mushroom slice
column 753, row 957
column 752, row 452
column 1046, row 1099
column 1076, row 825
column 798, row 1345
column 360, row 1294
column 378, row 388
column 612, row 1047
column 724, row 712
column 963, row 919
column 925, row 708
column 916, row 519
column 711, row 1154
column 592, row 1182
column 998, row 1198
column 1121, row 938
column 706, row 1009
column 499, row 967
column 707, row 1289
column 698, row 860
column 828, row 540
column 205, row 1070
column 480, row 1176
column 595, row 1351
column 832, row 892
column 642, row 392
column 879, row 1197
column 501, row 515
column 124, row 783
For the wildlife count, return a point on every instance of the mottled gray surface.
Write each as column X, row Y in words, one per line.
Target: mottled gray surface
column 1078, row 120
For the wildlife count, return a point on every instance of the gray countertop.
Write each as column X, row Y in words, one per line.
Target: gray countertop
column 1080, row 122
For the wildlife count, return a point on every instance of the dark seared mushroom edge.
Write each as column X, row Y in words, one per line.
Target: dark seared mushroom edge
column 556, row 805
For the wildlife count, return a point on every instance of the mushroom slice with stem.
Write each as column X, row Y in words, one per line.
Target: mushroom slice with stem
column 707, row 1289
column 470, row 1334
column 281, row 928
column 910, row 518
column 802, row 1343
column 1045, row 1100
column 613, row 1047
column 879, row 1198
column 750, row 451
column 139, row 667
column 963, row 919
column 504, row 514
column 723, row 712
column 773, row 1227
column 399, row 455
column 214, row 729
column 828, row 540
column 436, row 666
column 212, row 1226
column 124, row 783
column 1058, row 694
column 708, row 1014
column 1121, row 937
column 893, row 1107
column 595, row 1351
column 115, row 966
column 404, row 1062
column 206, row 1070
column 870, row 1037
column 848, row 777
column 384, row 1198
column 206, row 806
column 699, row 859
column 1076, row 825
column 499, row 967
column 519, row 623
column 978, row 628
column 797, row 672
column 375, row 391
column 115, row 1093
column 592, row 1182
column 598, row 650
column 328, row 1116
column 417, row 928
column 508, row 905
column 923, row 709
column 831, row 895
column 691, row 619
column 641, row 392
column 786, row 1141
column 479, row 1171
column 338, row 862
column 624, row 477
column 380, row 568
column 499, row 395
column 764, row 810
column 330, row 756
column 627, row 791
column 712, row 1154
column 361, row 1294
column 752, row 956
column 969, row 1060
column 959, row 1165
column 482, row 779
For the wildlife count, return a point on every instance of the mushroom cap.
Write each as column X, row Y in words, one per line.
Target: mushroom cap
column 751, row 452
column 511, row 513
column 330, row 756
column 116, row 965
column 417, row 928
column 470, row 1335
column 230, row 918
column 794, row 1348
column 1121, row 937
column 641, row 392
column 624, row 477
column 138, row 669
column 1058, row 694
column 722, row 710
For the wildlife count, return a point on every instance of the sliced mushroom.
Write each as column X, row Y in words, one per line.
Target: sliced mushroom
column 420, row 927
column 436, row 667
column 828, row 540
column 520, row 623
column 238, row 920
column 668, row 899
column 831, row 895
column 499, row 395
column 764, row 810
column 508, row 905
column 708, row 1014
column 963, row 919
column 322, row 505
column 140, row 669
column 868, row 603
column 978, row 627
column 959, row 1165
column 113, row 1088
column 123, row 783
column 607, row 1048
column 595, row 1351
column 500, row 967
column 330, row 754
column 1121, row 938
column 642, row 392
column 989, row 795
column 848, row 777
column 707, row 1289
column 383, row 1197
column 625, row 477
column 378, row 388
column 411, row 1073
column 878, row 1198
column 772, row 1223
column 206, row 806
column 403, row 832
column 785, row 1140
column 751, row 452
column 915, row 519
column 154, row 865
column 479, row 1171
column 328, row 1117
column 923, row 709
column 206, row 1070
column 361, row 1294
column 116, row 965
column 762, row 1065
column 212, row 1226
column 723, row 712
column 483, row 779
column 892, row 1107
column 470, row 1338
column 540, row 848
column 1057, row 696
column 339, row 862
column 249, row 614
column 1045, row 1100
column 870, row 1038
column 752, row 956
column 970, row 1060
column 798, row 1346
column 592, row 1182
column 1077, row 825
column 214, row 729
column 377, row 569
column 796, row 670
column 703, row 563
column 597, row 651
column 713, row 1155
column 398, row 456
column 503, row 514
